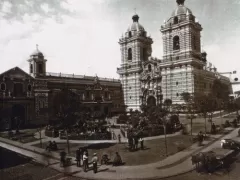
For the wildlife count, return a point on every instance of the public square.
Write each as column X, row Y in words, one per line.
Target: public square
column 119, row 90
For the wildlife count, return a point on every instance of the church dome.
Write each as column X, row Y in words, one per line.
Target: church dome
column 181, row 9
column 37, row 52
column 135, row 26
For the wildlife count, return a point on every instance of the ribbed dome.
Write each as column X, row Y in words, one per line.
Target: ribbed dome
column 181, row 9
column 135, row 26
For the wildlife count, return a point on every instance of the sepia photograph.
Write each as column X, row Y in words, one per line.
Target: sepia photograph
column 119, row 90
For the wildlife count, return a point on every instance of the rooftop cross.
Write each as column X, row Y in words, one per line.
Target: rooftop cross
column 37, row 47
column 135, row 10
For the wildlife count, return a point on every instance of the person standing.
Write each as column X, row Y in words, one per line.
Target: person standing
column 94, row 162
column 136, row 143
column 141, row 142
column 85, row 161
column 81, row 156
column 78, row 157
column 119, row 138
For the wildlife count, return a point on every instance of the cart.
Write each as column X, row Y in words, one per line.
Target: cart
column 213, row 160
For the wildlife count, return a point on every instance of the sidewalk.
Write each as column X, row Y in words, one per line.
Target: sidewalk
column 173, row 165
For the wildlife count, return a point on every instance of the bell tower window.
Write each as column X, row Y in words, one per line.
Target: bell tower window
column 130, row 54
column 149, row 68
column 175, row 20
column 176, row 45
column 130, row 34
column 40, row 68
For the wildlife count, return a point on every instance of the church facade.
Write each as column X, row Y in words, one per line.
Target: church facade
column 30, row 96
column 183, row 67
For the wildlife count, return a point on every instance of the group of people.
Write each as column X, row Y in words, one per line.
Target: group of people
column 52, row 146
column 134, row 141
column 82, row 158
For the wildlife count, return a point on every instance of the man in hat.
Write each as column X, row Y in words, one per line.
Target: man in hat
column 94, row 162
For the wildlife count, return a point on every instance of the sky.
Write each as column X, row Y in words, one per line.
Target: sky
column 81, row 36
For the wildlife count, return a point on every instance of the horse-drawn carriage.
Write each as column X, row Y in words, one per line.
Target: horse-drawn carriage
column 213, row 160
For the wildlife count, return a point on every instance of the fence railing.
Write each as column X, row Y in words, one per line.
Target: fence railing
column 80, row 76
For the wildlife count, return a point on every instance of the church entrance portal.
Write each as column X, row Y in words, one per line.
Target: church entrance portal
column 151, row 101
column 18, row 115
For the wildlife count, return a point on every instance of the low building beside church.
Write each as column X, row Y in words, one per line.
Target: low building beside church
column 30, row 96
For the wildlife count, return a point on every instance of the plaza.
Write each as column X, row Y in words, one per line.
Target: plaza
column 148, row 124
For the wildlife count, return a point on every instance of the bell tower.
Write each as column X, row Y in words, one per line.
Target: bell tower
column 181, row 35
column 135, row 48
column 37, row 64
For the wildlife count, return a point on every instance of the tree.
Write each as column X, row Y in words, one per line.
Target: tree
column 190, row 107
column 168, row 103
column 206, row 105
column 161, row 114
column 220, row 91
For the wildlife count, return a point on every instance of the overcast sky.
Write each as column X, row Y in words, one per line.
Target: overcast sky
column 81, row 36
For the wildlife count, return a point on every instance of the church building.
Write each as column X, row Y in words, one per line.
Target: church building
column 183, row 67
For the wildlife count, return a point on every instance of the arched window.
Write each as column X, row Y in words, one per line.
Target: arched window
column 149, row 68
column 87, row 94
column 130, row 54
column 29, row 87
column 3, row 86
column 175, row 20
column 130, row 34
column 176, row 45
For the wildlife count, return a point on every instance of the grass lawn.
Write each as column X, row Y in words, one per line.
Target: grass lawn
column 154, row 150
column 25, row 136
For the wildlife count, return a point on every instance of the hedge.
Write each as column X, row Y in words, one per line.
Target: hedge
column 96, row 136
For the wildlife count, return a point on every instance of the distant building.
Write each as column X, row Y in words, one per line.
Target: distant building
column 30, row 96
column 183, row 68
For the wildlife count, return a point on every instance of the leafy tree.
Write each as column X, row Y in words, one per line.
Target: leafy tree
column 190, row 107
column 168, row 103
column 220, row 91
column 162, row 118
column 206, row 105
